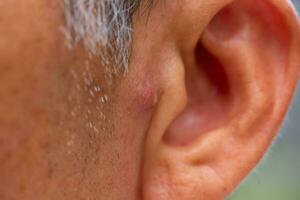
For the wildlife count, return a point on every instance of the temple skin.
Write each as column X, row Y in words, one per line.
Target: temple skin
column 208, row 86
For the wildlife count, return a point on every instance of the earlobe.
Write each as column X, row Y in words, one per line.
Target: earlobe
column 238, row 87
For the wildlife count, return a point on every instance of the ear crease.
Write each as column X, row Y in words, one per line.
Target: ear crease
column 252, row 20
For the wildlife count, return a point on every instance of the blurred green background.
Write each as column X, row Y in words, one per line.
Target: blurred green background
column 278, row 175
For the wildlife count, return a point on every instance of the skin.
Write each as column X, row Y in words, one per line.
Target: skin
column 70, row 129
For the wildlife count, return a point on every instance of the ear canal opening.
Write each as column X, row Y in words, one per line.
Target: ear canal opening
column 213, row 70
column 209, row 99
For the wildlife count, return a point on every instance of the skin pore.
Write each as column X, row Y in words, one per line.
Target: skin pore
column 111, row 121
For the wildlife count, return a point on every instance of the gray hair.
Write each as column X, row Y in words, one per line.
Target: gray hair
column 103, row 26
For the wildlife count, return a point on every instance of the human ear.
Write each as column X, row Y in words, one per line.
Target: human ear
column 225, row 102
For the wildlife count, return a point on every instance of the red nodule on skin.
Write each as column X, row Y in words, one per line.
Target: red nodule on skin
column 146, row 96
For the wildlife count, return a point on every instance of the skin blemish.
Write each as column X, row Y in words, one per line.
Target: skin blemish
column 146, row 96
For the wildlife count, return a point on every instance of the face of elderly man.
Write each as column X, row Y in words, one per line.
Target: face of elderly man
column 140, row 100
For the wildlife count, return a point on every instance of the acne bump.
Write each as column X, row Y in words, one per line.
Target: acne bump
column 146, row 96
